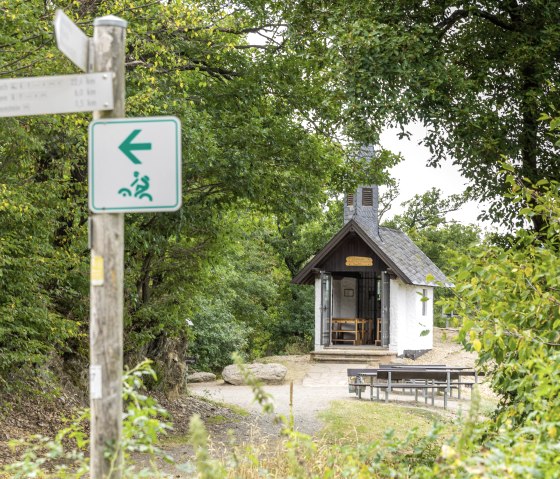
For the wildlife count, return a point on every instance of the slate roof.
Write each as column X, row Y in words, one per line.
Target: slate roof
column 394, row 247
column 413, row 264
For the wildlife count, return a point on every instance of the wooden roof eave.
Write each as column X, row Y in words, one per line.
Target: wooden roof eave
column 306, row 275
column 379, row 252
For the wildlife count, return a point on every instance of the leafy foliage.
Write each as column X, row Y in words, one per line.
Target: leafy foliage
column 218, row 336
column 510, row 452
column 63, row 457
column 424, row 221
column 427, row 210
column 245, row 149
column 477, row 75
column 509, row 303
column 37, row 279
column 260, row 166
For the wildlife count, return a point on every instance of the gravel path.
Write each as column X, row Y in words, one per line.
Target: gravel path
column 315, row 386
column 321, row 384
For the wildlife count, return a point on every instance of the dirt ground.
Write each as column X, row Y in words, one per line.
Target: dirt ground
column 315, row 386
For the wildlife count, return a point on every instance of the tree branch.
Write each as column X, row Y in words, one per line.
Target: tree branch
column 197, row 65
column 240, row 31
column 192, row 189
column 495, row 20
column 17, row 60
column 462, row 13
column 451, row 20
column 212, row 71
column 262, row 47
column 9, row 72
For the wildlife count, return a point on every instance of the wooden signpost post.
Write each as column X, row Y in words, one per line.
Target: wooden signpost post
column 102, row 90
column 106, row 285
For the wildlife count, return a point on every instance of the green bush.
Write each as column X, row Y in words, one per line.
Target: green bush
column 63, row 457
column 31, row 284
column 510, row 453
column 508, row 299
column 294, row 329
column 217, row 335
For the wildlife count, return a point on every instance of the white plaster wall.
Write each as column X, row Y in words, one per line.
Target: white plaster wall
column 344, row 306
column 397, row 314
column 407, row 321
column 318, row 346
column 420, row 323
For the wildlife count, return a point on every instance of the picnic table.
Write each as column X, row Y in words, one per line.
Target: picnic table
column 391, row 377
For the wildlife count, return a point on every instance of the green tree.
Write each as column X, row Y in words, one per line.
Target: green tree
column 244, row 144
column 35, row 281
column 508, row 299
column 424, row 220
column 477, row 75
column 253, row 141
column 427, row 210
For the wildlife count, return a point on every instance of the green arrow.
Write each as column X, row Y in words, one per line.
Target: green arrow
column 127, row 147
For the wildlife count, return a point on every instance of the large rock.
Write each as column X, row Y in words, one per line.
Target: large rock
column 201, row 377
column 267, row 373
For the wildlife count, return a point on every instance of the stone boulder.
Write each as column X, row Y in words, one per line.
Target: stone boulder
column 272, row 373
column 201, row 377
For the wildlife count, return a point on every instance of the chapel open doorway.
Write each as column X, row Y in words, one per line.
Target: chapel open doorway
column 356, row 309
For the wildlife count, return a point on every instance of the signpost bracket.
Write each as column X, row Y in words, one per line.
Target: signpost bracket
column 90, row 232
column 90, row 55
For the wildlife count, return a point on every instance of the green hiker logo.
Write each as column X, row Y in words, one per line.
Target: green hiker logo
column 140, row 185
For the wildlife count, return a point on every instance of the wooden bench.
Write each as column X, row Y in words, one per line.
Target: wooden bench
column 349, row 330
column 413, row 366
column 353, row 375
column 455, row 371
column 371, row 372
column 404, row 386
column 463, row 371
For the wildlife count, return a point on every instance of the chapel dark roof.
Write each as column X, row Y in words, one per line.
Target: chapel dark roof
column 394, row 247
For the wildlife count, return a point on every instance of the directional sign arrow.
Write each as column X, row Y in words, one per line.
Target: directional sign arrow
column 127, row 147
column 56, row 94
column 71, row 40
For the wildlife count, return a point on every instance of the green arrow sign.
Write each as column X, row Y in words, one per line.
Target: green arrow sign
column 127, row 147
column 150, row 181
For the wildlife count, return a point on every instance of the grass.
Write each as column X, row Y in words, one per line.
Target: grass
column 364, row 421
column 218, row 419
column 232, row 407
column 346, row 449
column 351, row 445
column 181, row 439
column 488, row 406
column 175, row 440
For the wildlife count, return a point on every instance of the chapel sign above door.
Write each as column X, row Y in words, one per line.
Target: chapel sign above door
column 359, row 261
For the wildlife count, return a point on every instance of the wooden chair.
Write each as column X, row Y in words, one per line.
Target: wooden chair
column 378, row 333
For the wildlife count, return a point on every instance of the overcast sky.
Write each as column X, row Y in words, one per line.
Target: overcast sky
column 415, row 177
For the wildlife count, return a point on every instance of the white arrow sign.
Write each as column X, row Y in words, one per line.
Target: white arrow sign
column 71, row 40
column 135, row 165
column 56, row 94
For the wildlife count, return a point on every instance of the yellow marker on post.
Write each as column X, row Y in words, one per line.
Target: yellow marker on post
column 97, row 270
